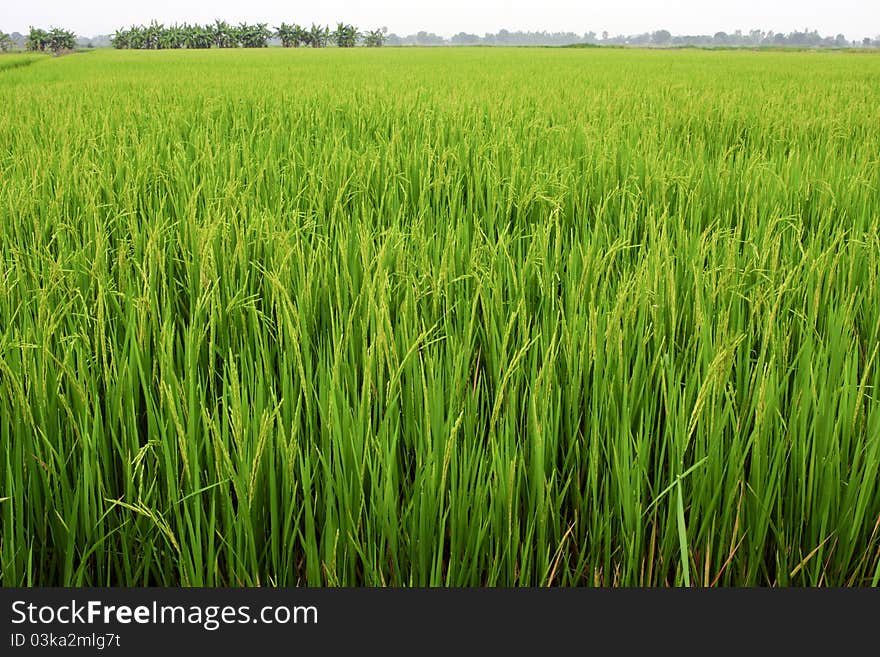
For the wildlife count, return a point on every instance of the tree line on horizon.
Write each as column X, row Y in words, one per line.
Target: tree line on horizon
column 223, row 35
column 54, row 40
column 658, row 38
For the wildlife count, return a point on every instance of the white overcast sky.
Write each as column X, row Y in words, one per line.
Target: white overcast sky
column 854, row 18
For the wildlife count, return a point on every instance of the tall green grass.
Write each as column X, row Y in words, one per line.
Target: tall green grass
column 457, row 317
column 9, row 61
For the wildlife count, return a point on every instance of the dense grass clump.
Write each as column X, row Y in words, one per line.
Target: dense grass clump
column 16, row 60
column 458, row 317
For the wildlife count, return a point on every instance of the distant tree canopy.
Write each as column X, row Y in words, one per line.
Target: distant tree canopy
column 753, row 38
column 376, row 38
column 220, row 34
column 346, row 36
column 6, row 42
column 661, row 38
column 55, row 40
column 292, row 35
column 319, row 36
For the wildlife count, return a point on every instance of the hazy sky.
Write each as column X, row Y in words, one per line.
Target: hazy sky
column 854, row 18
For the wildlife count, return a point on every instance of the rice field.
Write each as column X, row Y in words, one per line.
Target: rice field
column 440, row 317
column 15, row 60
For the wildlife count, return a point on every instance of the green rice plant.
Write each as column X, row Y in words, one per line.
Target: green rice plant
column 407, row 318
column 12, row 61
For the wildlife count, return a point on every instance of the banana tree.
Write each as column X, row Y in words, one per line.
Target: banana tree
column 300, row 36
column 254, row 36
column 137, row 37
column 61, row 40
column 318, row 36
column 37, row 40
column 6, row 43
column 264, row 34
column 153, row 35
column 225, row 36
column 198, row 37
column 288, row 34
column 121, row 39
column 376, row 38
column 171, row 38
column 346, row 36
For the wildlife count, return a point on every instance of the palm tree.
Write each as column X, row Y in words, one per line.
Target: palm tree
column 6, row 43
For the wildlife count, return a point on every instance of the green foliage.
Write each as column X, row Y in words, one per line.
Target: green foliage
column 346, row 36
column 121, row 39
column 198, row 37
column 55, row 40
column 172, row 37
column 223, row 35
column 254, row 36
column 409, row 318
column 376, row 38
column 291, row 35
column 11, row 61
column 318, row 36
column 37, row 40
column 6, row 43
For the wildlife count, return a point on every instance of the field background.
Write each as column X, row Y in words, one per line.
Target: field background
column 440, row 317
